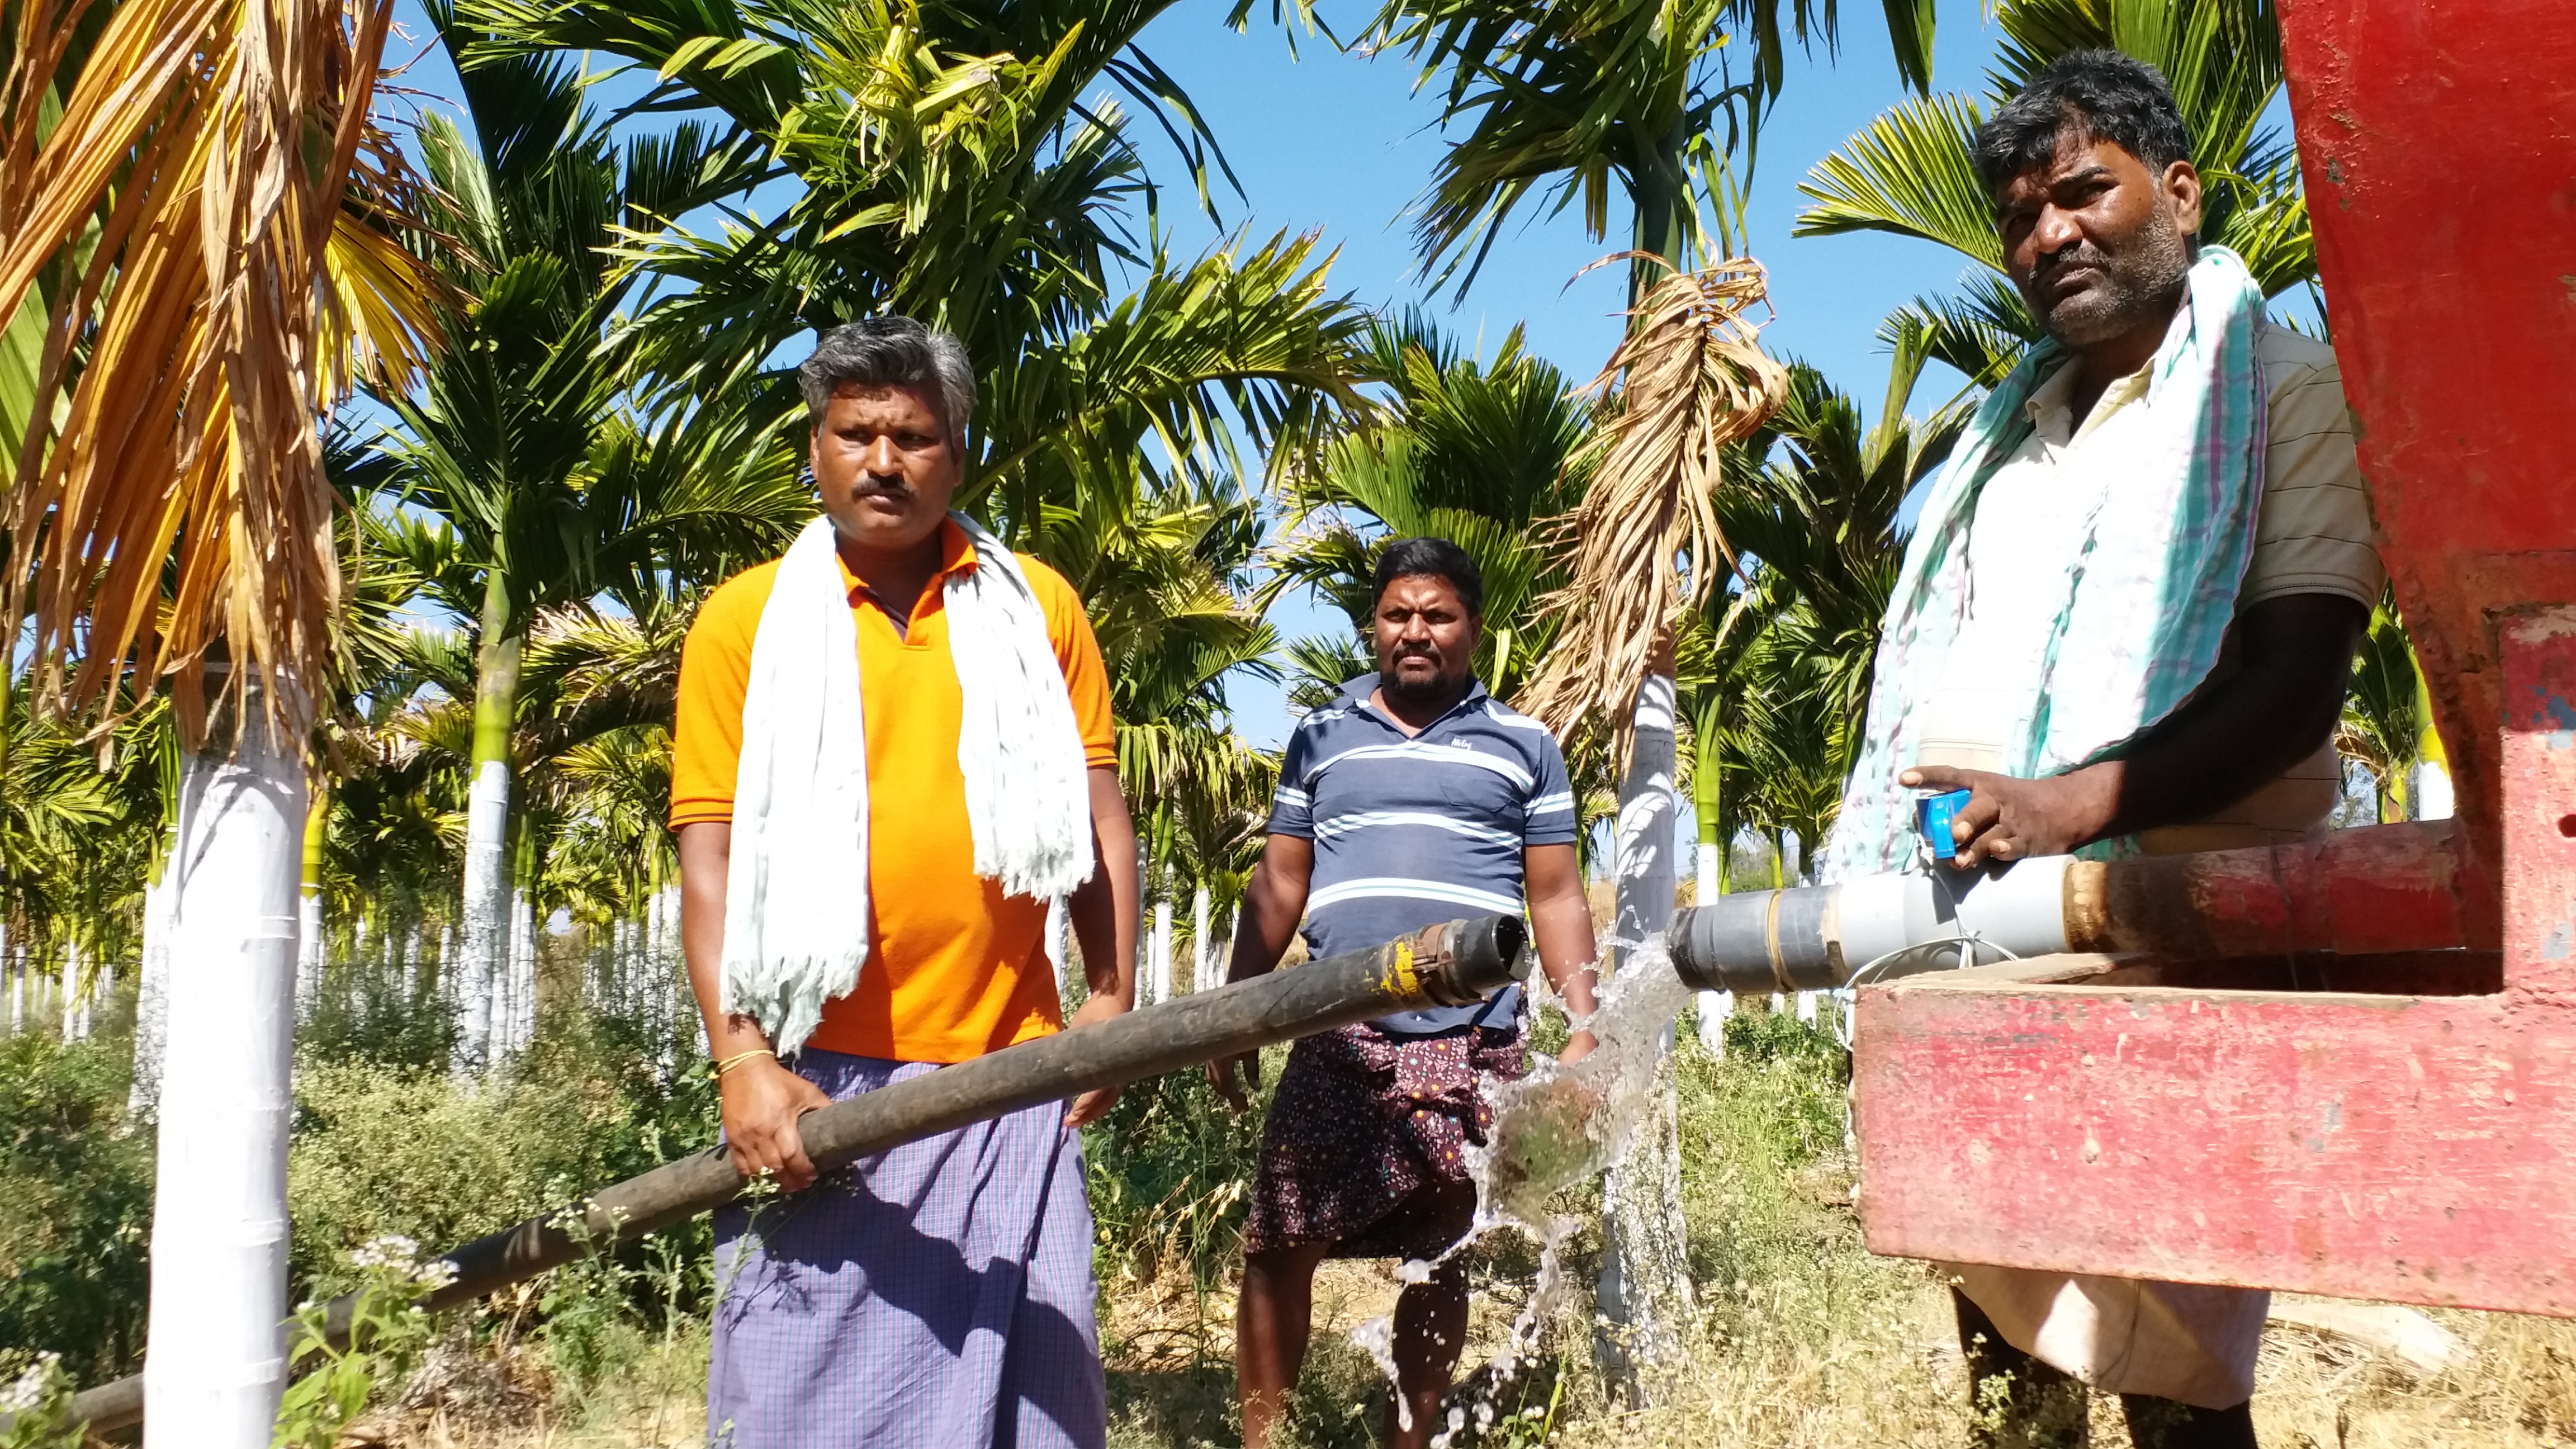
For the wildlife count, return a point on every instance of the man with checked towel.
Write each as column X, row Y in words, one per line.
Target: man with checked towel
column 2125, row 622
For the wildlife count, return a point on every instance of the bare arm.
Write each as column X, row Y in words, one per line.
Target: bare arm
column 1103, row 913
column 762, row 1099
column 2215, row 751
column 1561, row 922
column 1273, row 903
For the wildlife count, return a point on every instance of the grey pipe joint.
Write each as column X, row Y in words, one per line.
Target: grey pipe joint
column 1817, row 938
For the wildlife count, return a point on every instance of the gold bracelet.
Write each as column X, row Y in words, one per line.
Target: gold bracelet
column 738, row 1058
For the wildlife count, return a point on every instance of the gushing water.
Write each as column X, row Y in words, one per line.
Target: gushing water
column 1553, row 1130
column 1376, row 1338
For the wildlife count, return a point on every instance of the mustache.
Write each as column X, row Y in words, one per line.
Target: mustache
column 2080, row 254
column 870, row 485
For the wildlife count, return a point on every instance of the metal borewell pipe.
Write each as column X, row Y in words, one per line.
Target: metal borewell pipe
column 1454, row 964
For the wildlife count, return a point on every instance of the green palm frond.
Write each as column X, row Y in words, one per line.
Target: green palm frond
column 1318, row 667
column 1617, row 109
column 1775, row 674
column 2383, row 721
column 1909, row 173
column 1243, row 343
column 1470, row 450
column 1981, row 331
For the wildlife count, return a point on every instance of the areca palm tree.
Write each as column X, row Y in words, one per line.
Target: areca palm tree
column 1612, row 106
column 1776, row 674
column 198, row 204
column 1166, row 578
column 547, row 492
column 2384, row 718
column 1476, row 451
column 947, row 166
column 1909, row 173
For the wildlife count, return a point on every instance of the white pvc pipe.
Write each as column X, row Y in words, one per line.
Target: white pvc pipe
column 1825, row 937
column 216, row 1357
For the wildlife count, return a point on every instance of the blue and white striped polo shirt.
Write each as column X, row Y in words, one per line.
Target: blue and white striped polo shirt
column 1410, row 832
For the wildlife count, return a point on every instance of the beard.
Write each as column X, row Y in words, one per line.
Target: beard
column 1424, row 689
column 2135, row 283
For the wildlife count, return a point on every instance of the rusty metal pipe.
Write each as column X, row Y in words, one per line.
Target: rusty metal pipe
column 2372, row 890
column 1447, row 965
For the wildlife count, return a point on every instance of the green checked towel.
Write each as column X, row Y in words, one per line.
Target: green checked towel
column 2143, row 605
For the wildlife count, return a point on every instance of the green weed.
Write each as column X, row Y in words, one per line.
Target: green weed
column 75, row 1205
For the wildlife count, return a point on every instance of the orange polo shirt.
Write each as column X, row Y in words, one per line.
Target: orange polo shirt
column 956, row 969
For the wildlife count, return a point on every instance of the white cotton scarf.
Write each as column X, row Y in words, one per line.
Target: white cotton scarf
column 2145, row 605
column 796, row 891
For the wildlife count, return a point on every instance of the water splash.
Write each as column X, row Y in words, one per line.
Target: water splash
column 1561, row 1125
column 1376, row 1338
column 1554, row 1129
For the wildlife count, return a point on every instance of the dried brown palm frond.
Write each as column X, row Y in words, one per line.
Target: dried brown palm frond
column 1695, row 380
column 208, row 224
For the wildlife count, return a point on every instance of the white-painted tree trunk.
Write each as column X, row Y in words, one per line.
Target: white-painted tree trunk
column 68, row 992
column 524, row 991
column 152, row 997
column 1059, row 948
column 308, row 951
column 1714, row 1006
column 2432, row 793
column 1644, row 1290
column 1162, row 957
column 486, row 908
column 1199, row 941
column 216, row 1357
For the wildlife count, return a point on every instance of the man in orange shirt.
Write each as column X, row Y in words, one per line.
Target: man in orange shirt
column 861, row 867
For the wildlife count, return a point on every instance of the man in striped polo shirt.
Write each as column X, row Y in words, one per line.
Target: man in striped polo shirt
column 1416, row 798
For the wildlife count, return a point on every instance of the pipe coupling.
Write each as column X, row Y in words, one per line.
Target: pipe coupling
column 1463, row 962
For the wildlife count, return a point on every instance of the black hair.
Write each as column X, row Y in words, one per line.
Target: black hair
column 1409, row 558
column 2109, row 96
column 890, row 352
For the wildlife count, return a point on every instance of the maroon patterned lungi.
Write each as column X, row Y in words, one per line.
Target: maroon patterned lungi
column 1360, row 1122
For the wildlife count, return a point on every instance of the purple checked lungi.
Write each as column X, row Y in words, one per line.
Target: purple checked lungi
column 940, row 1294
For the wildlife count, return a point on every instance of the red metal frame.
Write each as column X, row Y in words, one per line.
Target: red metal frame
column 2073, row 1114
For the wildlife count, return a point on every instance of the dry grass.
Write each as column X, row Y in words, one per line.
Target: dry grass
column 1807, row 1341
column 1890, row 1375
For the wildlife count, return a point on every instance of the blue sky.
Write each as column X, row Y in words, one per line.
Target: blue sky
column 1341, row 144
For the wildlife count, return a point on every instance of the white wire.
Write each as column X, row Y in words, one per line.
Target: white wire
column 1969, row 941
